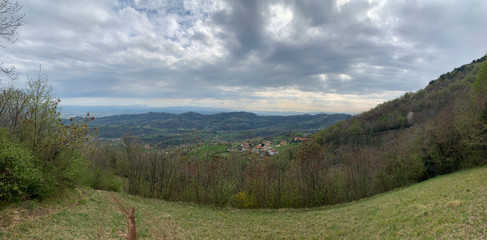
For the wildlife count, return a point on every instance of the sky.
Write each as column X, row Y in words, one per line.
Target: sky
column 246, row 55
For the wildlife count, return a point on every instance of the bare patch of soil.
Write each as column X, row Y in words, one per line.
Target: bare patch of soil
column 131, row 231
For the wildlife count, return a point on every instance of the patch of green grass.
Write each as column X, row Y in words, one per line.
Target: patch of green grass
column 452, row 206
column 85, row 216
column 209, row 149
column 287, row 146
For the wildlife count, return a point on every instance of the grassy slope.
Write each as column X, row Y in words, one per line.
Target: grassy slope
column 451, row 206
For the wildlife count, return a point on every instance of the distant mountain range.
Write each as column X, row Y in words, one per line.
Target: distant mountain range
column 102, row 111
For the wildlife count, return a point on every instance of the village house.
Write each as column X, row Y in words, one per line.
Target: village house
column 272, row 151
column 256, row 149
column 299, row 139
column 245, row 147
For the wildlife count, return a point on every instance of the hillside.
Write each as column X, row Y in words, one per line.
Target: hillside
column 452, row 206
column 169, row 128
column 436, row 130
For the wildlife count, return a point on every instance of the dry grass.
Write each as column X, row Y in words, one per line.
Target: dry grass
column 447, row 207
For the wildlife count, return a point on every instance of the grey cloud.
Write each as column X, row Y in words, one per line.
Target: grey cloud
column 224, row 50
column 317, row 13
column 243, row 26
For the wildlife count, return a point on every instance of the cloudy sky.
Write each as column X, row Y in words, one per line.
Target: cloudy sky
column 252, row 55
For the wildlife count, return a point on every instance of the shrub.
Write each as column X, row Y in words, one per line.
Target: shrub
column 244, row 200
column 105, row 179
column 18, row 176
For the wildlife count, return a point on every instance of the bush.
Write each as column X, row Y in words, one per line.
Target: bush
column 18, row 176
column 70, row 168
column 105, row 179
column 243, row 200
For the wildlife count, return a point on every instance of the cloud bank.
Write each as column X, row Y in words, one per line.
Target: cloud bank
column 315, row 55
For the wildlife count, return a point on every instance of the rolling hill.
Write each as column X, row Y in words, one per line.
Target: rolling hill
column 169, row 128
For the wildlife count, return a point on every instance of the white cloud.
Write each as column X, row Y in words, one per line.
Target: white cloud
column 279, row 24
column 340, row 3
column 344, row 77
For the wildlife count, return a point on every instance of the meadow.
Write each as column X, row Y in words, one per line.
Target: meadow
column 452, row 206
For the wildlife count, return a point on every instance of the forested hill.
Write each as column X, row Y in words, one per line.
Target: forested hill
column 450, row 97
column 434, row 131
column 157, row 124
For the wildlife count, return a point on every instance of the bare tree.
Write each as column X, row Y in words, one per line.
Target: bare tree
column 10, row 20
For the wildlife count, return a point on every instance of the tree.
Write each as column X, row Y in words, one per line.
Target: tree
column 132, row 149
column 13, row 105
column 10, row 20
column 45, row 153
column 480, row 107
column 313, row 167
column 480, row 87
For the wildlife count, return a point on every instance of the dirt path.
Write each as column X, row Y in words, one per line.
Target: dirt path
column 131, row 230
column 161, row 225
column 100, row 214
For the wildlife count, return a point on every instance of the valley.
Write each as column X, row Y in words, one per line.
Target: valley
column 165, row 129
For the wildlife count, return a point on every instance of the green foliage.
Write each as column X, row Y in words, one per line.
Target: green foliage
column 18, row 176
column 480, row 87
column 481, row 80
column 69, row 168
column 105, row 179
column 43, row 155
column 243, row 200
column 204, row 150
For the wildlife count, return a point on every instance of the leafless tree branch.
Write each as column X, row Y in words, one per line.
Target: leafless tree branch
column 10, row 19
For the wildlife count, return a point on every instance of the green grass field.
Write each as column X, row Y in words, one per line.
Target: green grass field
column 447, row 207
column 204, row 150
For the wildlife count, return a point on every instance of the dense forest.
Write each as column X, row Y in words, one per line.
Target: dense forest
column 436, row 130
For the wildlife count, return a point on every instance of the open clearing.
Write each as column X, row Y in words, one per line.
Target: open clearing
column 452, row 206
